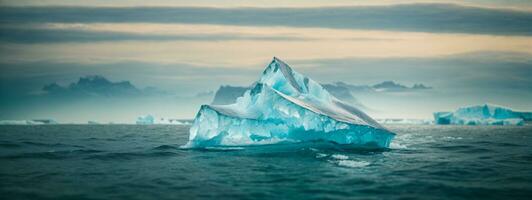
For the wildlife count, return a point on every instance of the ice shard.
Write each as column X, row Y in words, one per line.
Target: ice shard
column 285, row 106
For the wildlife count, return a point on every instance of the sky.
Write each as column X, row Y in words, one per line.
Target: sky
column 469, row 52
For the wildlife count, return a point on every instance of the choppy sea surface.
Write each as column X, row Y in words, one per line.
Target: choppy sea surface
column 145, row 162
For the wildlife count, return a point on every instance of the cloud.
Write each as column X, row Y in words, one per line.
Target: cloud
column 473, row 71
column 489, row 71
column 439, row 18
column 30, row 36
column 513, row 4
column 182, row 78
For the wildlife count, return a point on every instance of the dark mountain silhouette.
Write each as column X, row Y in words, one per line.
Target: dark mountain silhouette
column 98, row 86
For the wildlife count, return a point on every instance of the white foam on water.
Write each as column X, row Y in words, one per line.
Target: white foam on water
column 224, row 148
column 352, row 163
column 397, row 145
column 404, row 136
column 339, row 157
column 321, row 155
column 453, row 138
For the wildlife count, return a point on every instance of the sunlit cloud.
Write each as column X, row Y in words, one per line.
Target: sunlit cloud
column 436, row 18
column 507, row 4
column 238, row 46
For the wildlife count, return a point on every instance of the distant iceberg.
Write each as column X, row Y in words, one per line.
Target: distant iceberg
column 28, row 122
column 285, row 106
column 486, row 114
column 150, row 120
column 145, row 120
column 169, row 121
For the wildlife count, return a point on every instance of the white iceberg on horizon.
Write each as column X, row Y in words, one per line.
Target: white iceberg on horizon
column 285, row 106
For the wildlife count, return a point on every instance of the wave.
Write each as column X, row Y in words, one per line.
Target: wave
column 130, row 155
column 49, row 144
column 52, row 155
column 342, row 160
column 352, row 163
column 9, row 145
column 166, row 147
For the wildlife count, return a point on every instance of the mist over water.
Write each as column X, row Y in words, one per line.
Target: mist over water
column 145, row 162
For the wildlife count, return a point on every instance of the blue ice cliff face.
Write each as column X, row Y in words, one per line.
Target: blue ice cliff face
column 285, row 106
column 482, row 115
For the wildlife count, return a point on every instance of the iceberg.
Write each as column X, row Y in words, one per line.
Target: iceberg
column 486, row 114
column 151, row 120
column 29, row 122
column 145, row 120
column 169, row 121
column 285, row 106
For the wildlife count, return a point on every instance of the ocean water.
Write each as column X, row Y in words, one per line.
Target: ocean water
column 145, row 162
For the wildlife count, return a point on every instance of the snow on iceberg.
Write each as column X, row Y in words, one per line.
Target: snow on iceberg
column 285, row 106
column 486, row 114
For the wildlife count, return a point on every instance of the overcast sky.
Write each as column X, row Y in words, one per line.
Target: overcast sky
column 470, row 52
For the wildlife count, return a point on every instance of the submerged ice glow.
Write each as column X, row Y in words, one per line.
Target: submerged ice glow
column 285, row 106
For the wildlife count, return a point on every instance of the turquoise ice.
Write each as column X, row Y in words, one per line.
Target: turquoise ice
column 145, row 120
column 486, row 114
column 285, row 106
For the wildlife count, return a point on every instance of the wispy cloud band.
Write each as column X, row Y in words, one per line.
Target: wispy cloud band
column 438, row 18
column 31, row 36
